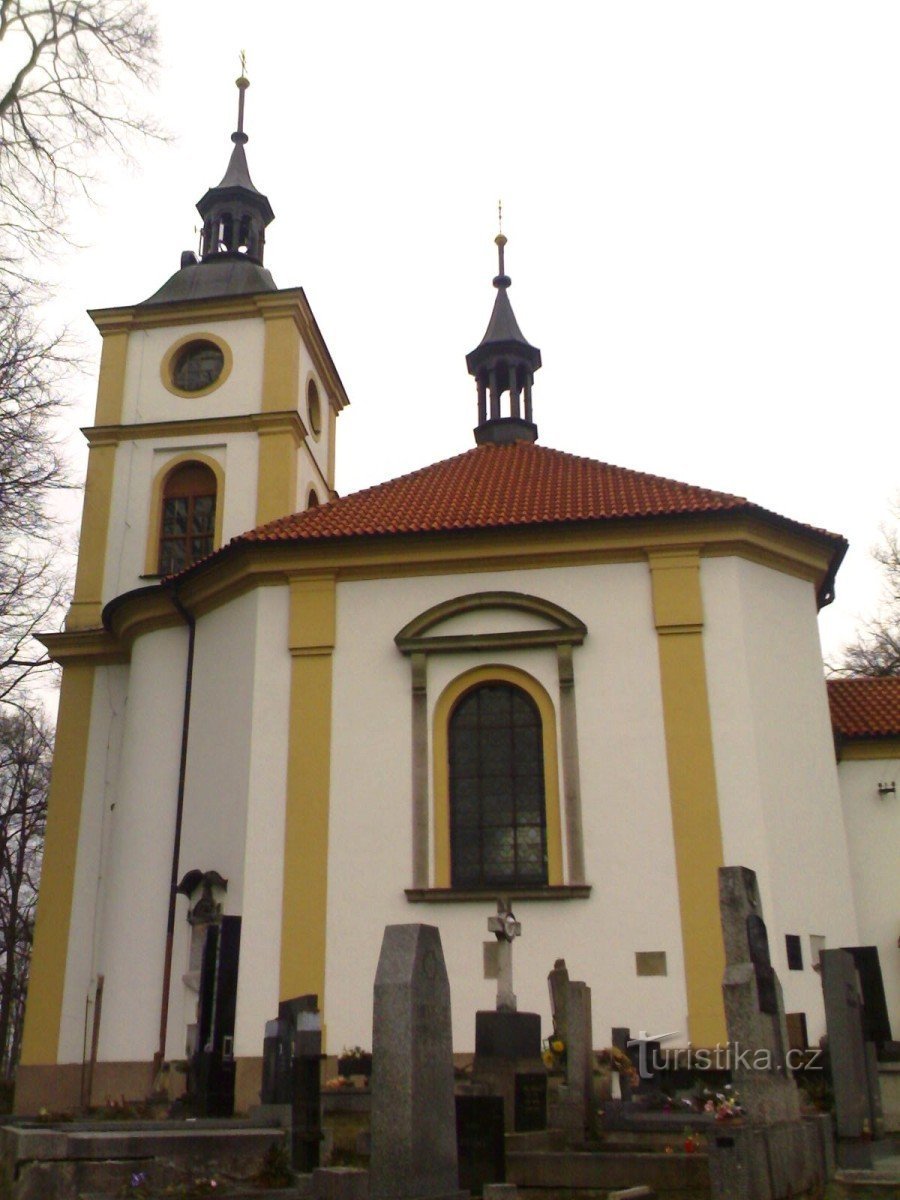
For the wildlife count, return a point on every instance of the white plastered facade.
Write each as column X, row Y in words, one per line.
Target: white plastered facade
column 872, row 822
column 777, row 786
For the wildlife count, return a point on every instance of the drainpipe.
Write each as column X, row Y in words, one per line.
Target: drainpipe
column 189, row 620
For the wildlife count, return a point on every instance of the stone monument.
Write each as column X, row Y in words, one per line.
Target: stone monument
column 854, row 1069
column 772, row 1154
column 413, row 1109
column 508, row 1059
column 754, row 1009
column 577, row 1109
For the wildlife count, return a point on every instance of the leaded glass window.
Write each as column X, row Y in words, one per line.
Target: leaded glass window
column 498, row 830
column 188, row 517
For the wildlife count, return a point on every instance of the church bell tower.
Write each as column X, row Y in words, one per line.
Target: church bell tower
column 216, row 405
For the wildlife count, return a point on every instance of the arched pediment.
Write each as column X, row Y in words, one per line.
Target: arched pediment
column 439, row 627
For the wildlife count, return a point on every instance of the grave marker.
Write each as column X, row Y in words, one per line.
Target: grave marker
column 413, row 1107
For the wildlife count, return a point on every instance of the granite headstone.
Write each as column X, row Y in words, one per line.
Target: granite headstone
column 413, row 1108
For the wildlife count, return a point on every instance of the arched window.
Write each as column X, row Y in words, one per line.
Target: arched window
column 498, row 830
column 188, row 517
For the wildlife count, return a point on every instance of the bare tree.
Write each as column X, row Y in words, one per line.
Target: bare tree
column 31, row 369
column 25, row 753
column 65, row 91
column 876, row 649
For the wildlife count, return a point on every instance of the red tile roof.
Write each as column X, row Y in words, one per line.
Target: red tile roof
column 498, row 486
column 865, row 708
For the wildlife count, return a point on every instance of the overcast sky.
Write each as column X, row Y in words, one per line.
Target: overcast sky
column 702, row 202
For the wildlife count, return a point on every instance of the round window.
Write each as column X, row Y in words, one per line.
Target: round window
column 314, row 408
column 197, row 366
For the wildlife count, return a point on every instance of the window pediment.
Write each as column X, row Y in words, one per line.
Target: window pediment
column 459, row 624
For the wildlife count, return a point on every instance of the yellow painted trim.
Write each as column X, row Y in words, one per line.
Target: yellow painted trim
column 696, row 826
column 264, row 563
column 96, row 646
column 871, row 750
column 196, row 427
column 281, row 363
column 43, row 1013
column 276, row 480
column 166, row 367
column 111, row 381
column 304, row 905
column 441, row 764
column 87, row 601
column 232, row 308
column 154, row 525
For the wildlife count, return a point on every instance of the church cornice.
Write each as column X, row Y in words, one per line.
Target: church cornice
column 242, row 566
column 268, row 422
column 288, row 303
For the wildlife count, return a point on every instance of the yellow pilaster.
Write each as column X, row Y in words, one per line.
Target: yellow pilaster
column 51, row 936
column 276, row 494
column 281, row 356
column 276, row 488
column 305, row 890
column 111, row 384
column 87, row 601
column 678, row 615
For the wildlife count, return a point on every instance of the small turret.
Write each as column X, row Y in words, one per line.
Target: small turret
column 233, row 239
column 235, row 213
column 504, row 362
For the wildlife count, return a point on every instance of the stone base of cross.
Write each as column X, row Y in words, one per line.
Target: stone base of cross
column 505, row 927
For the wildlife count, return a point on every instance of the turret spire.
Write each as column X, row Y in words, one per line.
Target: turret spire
column 235, row 213
column 504, row 362
column 232, row 242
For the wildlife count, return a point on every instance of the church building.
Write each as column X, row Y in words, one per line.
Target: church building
column 288, row 718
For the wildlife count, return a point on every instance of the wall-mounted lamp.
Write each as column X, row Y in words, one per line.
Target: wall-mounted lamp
column 887, row 789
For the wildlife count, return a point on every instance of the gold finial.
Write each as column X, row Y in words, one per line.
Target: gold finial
column 241, row 83
column 500, row 240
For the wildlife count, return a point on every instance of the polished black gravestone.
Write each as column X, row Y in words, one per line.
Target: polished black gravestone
column 530, row 1102
column 480, row 1142
column 507, row 1051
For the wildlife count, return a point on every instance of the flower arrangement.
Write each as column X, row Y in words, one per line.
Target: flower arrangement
column 554, row 1053
column 617, row 1060
column 724, row 1105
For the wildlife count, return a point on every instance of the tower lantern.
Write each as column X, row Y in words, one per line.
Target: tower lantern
column 504, row 363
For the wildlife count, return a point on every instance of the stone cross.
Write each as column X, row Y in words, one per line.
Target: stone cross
column 505, row 927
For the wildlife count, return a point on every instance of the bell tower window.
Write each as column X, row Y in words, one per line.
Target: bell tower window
column 188, row 517
column 197, row 366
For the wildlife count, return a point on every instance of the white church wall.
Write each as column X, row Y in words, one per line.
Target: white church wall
column 140, row 849
column 137, row 465
column 872, row 823
column 97, row 821
column 263, row 866
column 309, row 478
column 147, row 399
column 627, row 825
column 769, row 703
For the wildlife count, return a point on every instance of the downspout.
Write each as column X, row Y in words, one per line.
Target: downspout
column 189, row 620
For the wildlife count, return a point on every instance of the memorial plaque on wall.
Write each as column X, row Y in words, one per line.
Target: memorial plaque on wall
column 480, row 1145
column 531, row 1101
